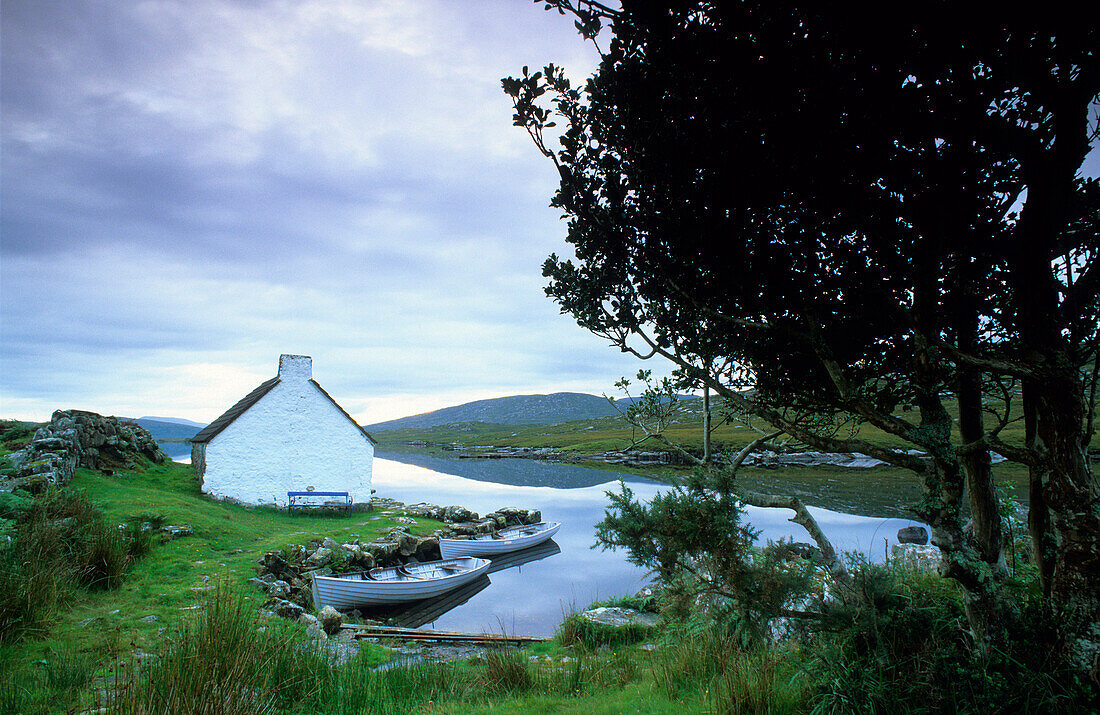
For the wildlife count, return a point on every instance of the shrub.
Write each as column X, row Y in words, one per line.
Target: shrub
column 15, row 434
column 909, row 649
column 12, row 504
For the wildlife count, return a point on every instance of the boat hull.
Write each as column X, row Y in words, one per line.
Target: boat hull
column 346, row 592
column 489, row 547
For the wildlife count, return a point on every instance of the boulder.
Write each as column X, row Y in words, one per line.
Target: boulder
column 313, row 627
column 279, row 590
column 454, row 513
column 514, row 516
column 464, row 528
column 274, row 564
column 426, row 511
column 288, row 609
column 331, row 620
column 918, row 557
column 427, row 549
column 616, row 617
column 360, row 560
column 82, row 439
column 913, row 535
column 381, row 551
column 177, row 531
column 406, row 544
column 330, row 544
column 320, row 557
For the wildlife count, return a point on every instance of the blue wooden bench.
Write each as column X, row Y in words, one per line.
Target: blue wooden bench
column 307, row 500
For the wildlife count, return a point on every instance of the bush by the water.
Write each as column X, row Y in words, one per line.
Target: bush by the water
column 909, row 649
column 59, row 542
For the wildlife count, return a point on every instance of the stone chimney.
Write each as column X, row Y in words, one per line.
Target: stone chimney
column 295, row 367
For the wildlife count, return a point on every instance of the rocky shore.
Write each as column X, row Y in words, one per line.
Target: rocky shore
column 284, row 575
column 648, row 458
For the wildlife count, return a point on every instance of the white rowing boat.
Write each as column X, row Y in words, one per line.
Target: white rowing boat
column 511, row 539
column 410, row 582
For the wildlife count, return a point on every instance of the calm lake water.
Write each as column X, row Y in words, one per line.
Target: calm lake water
column 530, row 599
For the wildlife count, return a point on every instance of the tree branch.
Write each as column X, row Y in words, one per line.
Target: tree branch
column 803, row 518
column 994, row 365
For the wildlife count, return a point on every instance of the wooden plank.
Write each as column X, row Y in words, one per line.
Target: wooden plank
column 365, row 631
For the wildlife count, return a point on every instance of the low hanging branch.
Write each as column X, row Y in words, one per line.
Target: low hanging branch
column 837, row 571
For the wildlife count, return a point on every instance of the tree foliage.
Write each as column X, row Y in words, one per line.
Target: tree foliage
column 826, row 214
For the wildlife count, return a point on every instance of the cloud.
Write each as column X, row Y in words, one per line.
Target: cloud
column 193, row 187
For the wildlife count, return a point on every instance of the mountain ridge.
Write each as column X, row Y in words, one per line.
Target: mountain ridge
column 514, row 409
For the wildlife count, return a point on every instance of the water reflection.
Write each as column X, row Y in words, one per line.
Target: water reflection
column 531, row 599
column 515, row 472
column 430, row 610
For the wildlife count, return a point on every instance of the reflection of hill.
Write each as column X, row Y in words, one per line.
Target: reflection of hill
column 516, row 472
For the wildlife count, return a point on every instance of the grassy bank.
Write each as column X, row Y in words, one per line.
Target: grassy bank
column 96, row 628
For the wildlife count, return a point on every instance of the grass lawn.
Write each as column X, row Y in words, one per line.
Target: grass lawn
column 174, row 578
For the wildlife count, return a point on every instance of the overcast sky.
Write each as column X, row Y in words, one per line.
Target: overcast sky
column 191, row 188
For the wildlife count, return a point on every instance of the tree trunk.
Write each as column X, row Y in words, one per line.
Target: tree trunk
column 1043, row 543
column 706, row 424
column 1072, row 493
column 945, row 485
column 1069, row 489
column 984, row 509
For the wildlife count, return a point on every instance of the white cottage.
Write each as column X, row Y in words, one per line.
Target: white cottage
column 287, row 435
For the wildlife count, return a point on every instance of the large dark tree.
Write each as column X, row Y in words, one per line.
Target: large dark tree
column 825, row 215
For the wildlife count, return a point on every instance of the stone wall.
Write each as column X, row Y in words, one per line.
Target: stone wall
column 75, row 438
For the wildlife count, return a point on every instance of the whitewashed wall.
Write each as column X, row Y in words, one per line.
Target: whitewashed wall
column 293, row 438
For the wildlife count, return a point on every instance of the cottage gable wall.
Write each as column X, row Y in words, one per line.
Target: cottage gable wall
column 293, row 438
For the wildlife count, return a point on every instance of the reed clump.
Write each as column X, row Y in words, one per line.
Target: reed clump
column 59, row 542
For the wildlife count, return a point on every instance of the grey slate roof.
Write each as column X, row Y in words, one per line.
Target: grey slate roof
column 211, row 430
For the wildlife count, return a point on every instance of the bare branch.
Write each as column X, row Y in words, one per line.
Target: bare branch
column 994, row 365
column 803, row 518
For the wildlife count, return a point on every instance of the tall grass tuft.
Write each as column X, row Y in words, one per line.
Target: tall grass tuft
column 758, row 682
column 360, row 688
column 68, row 670
column 225, row 661
column 61, row 541
column 507, row 672
column 577, row 630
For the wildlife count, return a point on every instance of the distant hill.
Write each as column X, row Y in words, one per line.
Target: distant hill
column 514, row 410
column 169, row 429
column 172, row 420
